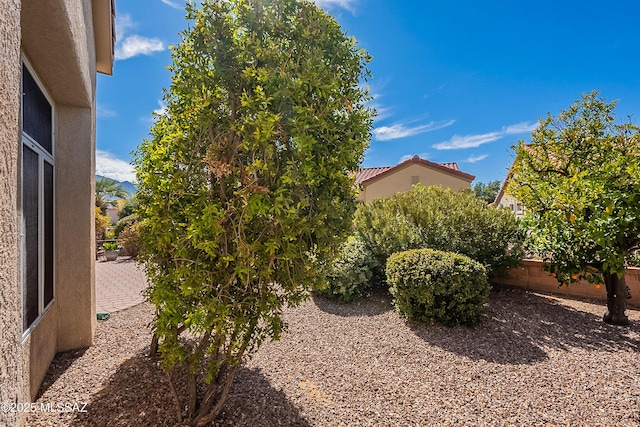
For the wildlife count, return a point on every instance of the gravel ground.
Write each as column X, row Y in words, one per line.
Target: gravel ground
column 535, row 360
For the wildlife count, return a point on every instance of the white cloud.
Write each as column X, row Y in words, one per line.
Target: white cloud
column 473, row 141
column 162, row 108
column 346, row 4
column 104, row 113
column 110, row 166
column 128, row 46
column 386, row 133
column 137, row 45
column 474, row 159
column 172, row 4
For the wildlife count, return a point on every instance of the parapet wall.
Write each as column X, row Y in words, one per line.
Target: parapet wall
column 530, row 275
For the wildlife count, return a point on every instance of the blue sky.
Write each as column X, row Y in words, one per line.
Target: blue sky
column 453, row 81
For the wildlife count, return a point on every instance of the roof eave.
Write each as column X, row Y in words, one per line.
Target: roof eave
column 103, row 27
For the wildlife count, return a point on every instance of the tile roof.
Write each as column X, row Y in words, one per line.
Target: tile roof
column 368, row 174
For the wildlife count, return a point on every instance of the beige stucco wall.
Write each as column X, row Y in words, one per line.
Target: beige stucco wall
column 12, row 385
column 58, row 41
column 402, row 180
column 512, row 204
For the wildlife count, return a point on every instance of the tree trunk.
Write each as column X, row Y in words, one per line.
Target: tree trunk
column 616, row 300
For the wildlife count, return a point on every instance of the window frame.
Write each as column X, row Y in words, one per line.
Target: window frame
column 43, row 157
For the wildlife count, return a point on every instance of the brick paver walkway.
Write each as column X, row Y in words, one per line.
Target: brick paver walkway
column 119, row 285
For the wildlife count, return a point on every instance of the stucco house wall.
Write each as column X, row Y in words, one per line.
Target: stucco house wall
column 56, row 41
column 406, row 174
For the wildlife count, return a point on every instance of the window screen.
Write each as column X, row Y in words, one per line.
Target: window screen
column 36, row 112
column 30, row 190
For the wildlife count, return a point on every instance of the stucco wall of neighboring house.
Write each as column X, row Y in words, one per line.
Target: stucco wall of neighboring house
column 11, row 373
column 512, row 204
column 58, row 42
column 403, row 179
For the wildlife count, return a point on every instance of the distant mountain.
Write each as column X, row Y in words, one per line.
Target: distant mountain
column 126, row 185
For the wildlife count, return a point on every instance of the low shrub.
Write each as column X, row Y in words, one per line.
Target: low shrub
column 435, row 218
column 429, row 285
column 131, row 240
column 124, row 222
column 349, row 277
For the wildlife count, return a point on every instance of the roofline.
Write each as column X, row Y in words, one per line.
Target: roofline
column 417, row 160
column 104, row 12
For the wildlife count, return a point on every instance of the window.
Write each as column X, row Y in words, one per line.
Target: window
column 415, row 179
column 37, row 200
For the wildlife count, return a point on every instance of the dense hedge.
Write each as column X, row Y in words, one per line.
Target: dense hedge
column 349, row 276
column 429, row 285
column 431, row 217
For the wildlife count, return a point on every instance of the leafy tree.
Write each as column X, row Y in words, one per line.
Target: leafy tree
column 487, row 192
column 580, row 182
column 107, row 188
column 244, row 181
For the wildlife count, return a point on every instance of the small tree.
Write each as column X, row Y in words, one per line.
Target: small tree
column 486, row 192
column 245, row 181
column 580, row 182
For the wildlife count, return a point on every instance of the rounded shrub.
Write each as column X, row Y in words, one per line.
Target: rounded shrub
column 349, row 277
column 429, row 285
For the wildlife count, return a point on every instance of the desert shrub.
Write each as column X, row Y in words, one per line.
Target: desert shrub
column 125, row 222
column 129, row 208
column 349, row 276
column 131, row 240
column 429, row 285
column 101, row 223
column 432, row 217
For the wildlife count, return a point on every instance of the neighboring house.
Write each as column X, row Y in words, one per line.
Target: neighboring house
column 508, row 201
column 50, row 51
column 388, row 180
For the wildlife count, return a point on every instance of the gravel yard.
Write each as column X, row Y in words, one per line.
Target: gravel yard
column 535, row 360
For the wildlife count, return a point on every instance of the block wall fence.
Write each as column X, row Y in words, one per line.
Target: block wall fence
column 530, row 275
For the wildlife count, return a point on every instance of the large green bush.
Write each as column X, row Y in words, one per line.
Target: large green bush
column 430, row 285
column 431, row 217
column 349, row 276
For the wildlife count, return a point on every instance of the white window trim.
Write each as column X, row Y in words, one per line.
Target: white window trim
column 43, row 156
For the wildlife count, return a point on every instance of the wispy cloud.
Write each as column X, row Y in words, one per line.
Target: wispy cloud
column 473, row 141
column 112, row 167
column 386, row 133
column 128, row 46
column 173, row 4
column 345, row 4
column 104, row 113
column 162, row 108
column 475, row 159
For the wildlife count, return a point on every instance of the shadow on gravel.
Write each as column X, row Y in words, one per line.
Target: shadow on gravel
column 138, row 394
column 520, row 327
column 60, row 363
column 377, row 303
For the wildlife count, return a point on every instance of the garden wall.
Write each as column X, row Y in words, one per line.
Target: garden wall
column 530, row 275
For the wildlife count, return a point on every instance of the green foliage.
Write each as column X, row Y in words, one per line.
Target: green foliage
column 125, row 222
column 131, row 239
column 107, row 188
column 441, row 219
column 580, row 181
column 110, row 246
column 487, row 192
column 129, row 208
column 349, row 276
column 430, row 285
column 246, row 179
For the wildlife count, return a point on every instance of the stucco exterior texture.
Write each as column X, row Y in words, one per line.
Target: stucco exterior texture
column 56, row 37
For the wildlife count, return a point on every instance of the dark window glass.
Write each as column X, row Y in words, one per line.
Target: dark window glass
column 36, row 112
column 30, row 181
column 48, row 233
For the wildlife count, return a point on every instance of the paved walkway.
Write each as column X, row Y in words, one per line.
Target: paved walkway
column 119, row 285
